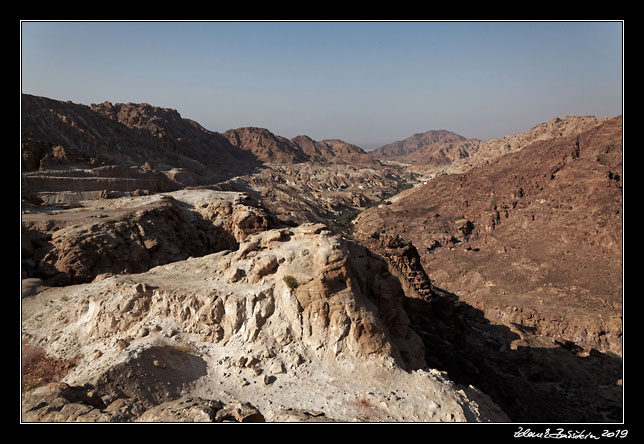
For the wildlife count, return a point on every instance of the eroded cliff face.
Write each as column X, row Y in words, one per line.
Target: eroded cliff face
column 520, row 367
column 285, row 322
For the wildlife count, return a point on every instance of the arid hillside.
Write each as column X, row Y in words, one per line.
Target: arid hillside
column 433, row 140
column 526, row 236
column 528, row 249
column 72, row 152
column 171, row 273
column 131, row 135
column 439, row 152
column 274, row 149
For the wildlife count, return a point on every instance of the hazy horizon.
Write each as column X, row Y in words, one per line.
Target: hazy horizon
column 368, row 83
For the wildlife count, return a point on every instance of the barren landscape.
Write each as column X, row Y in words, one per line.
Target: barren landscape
column 171, row 273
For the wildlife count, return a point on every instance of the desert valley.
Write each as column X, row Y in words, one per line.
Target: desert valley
column 170, row 273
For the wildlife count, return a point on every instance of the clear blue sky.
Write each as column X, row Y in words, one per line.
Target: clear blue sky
column 368, row 83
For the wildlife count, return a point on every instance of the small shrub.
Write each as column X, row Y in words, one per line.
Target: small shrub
column 290, row 281
column 347, row 217
column 344, row 222
column 402, row 186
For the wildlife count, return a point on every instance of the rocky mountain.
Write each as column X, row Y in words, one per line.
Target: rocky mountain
column 265, row 145
column 442, row 152
column 201, row 309
column 521, row 370
column 531, row 241
column 334, row 151
column 430, row 140
column 557, row 127
column 526, row 235
column 131, row 135
column 72, row 152
column 271, row 148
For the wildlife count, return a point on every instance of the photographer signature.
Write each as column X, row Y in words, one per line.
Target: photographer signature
column 568, row 434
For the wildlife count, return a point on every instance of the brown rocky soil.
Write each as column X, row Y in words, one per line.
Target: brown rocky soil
column 39, row 369
column 527, row 235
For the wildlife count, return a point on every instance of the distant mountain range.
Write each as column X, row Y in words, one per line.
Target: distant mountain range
column 442, row 150
column 136, row 134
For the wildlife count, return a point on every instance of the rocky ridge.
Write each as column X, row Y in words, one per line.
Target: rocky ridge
column 440, row 152
column 73, row 152
column 431, row 146
column 271, row 148
column 133, row 135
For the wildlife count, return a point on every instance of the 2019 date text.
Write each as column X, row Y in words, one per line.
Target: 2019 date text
column 569, row 434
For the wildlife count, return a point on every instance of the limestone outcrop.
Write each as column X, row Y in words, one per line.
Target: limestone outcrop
column 290, row 312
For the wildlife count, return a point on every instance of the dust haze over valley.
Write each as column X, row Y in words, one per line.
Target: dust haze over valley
column 173, row 273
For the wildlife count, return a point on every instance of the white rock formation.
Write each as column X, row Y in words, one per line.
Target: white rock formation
column 334, row 340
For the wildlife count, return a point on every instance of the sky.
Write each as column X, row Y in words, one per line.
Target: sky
column 368, row 83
